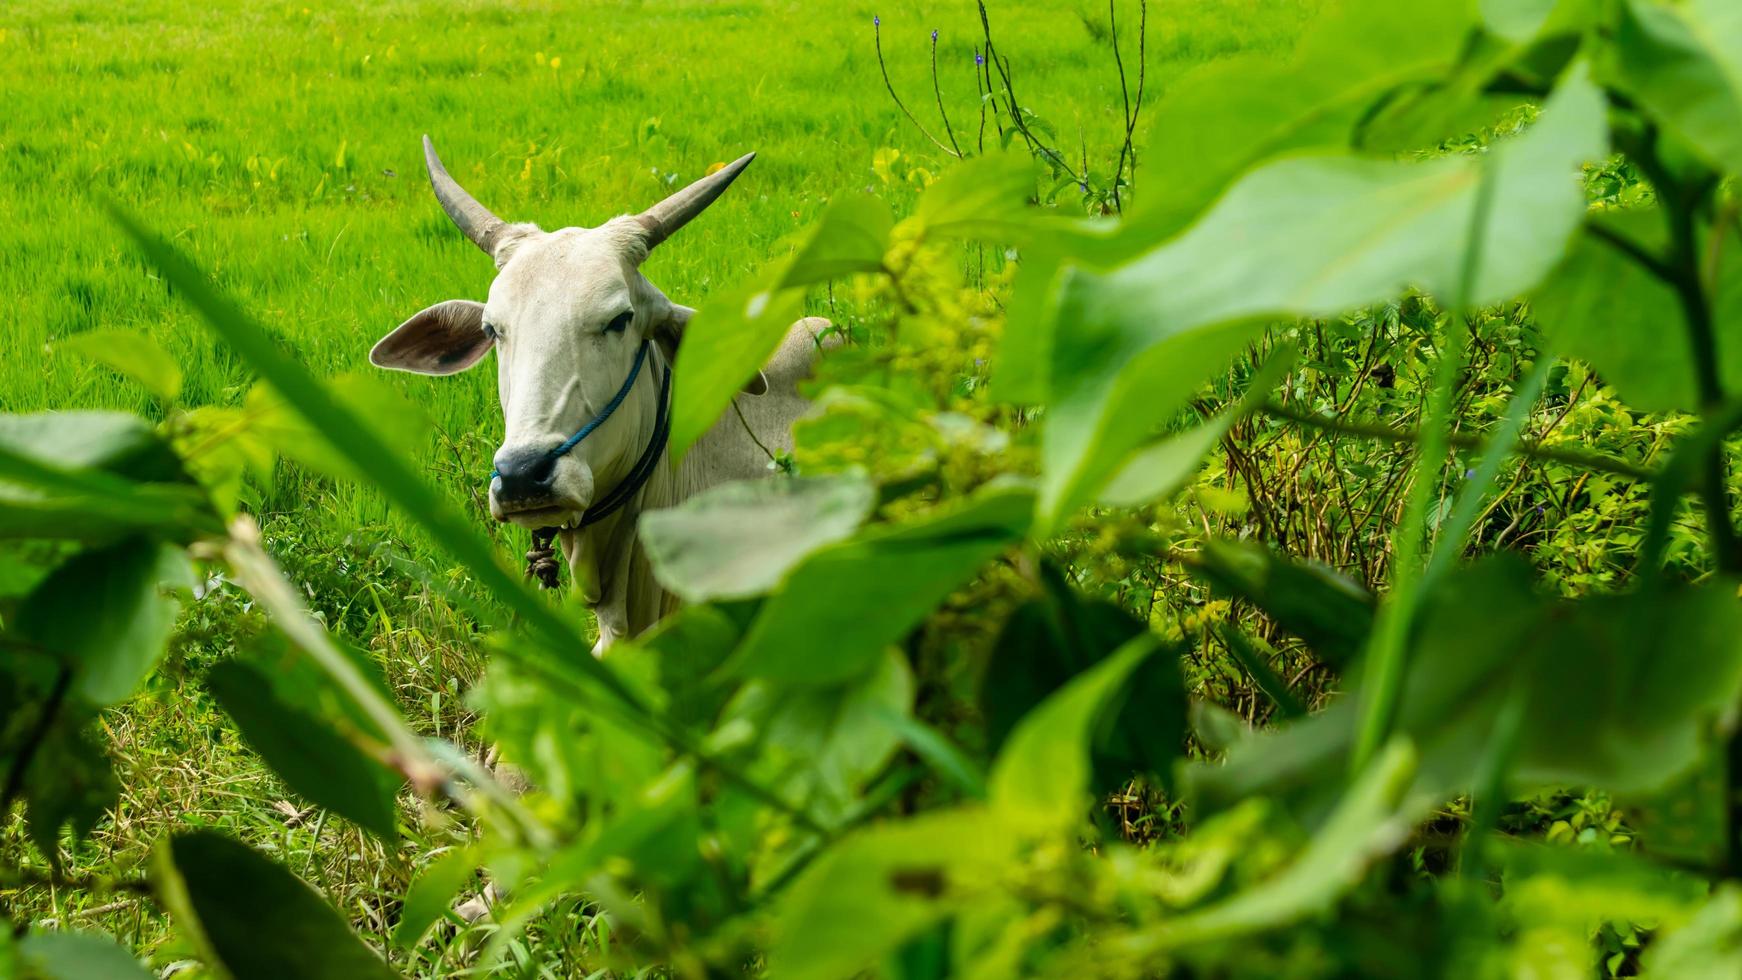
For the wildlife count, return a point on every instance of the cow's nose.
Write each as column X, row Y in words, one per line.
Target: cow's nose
column 523, row 474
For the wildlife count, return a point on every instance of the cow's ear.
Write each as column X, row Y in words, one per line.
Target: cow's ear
column 669, row 334
column 445, row 339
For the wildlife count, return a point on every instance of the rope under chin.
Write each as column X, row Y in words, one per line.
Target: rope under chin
column 541, row 559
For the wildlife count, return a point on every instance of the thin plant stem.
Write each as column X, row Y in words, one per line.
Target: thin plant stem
column 877, row 34
column 938, row 92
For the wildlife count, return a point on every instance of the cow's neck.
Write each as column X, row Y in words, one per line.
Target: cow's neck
column 609, row 565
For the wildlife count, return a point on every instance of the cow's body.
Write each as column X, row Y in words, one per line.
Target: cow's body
column 582, row 343
column 609, row 564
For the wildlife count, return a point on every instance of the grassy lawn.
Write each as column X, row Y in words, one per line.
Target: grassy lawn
column 278, row 144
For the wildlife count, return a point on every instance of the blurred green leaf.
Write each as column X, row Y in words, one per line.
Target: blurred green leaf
column 1577, row 888
column 740, row 539
column 1685, row 821
column 1161, row 469
column 304, row 750
column 875, row 889
column 1308, row 236
column 70, row 784
column 70, row 475
column 1603, row 308
column 1313, row 601
column 1621, row 692
column 821, row 745
column 1061, row 634
column 427, row 901
column 984, row 197
column 395, row 421
column 850, row 238
column 111, row 653
column 1369, row 822
column 253, row 918
column 688, row 646
column 1708, row 947
column 75, row 956
column 1683, row 64
column 1042, row 776
column 725, row 344
column 112, row 442
column 132, row 354
column 1235, row 112
column 1519, row 21
column 845, row 603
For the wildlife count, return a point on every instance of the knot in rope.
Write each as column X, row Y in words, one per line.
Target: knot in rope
column 541, row 564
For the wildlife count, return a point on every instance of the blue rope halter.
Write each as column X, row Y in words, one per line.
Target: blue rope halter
column 642, row 471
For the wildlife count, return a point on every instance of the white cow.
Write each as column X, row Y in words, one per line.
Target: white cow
column 584, row 344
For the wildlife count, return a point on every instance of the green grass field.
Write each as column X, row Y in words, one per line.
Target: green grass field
column 278, row 145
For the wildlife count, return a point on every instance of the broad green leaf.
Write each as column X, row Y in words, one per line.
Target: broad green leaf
column 1621, row 692
column 724, row 344
column 1707, row 947
column 252, row 918
column 75, row 956
column 875, row 889
column 1578, row 888
column 70, row 784
column 1061, row 634
column 1307, row 236
column 132, row 354
column 984, row 198
column 1607, row 310
column 1369, row 822
column 1041, row 777
column 845, row 603
column 113, row 442
column 1163, row 468
column 1685, row 820
column 427, row 901
column 112, row 653
column 851, row 238
column 821, row 745
column 305, row 751
column 1683, row 64
column 69, row 475
column 396, row 422
column 1519, row 21
column 740, row 539
column 937, row 752
column 1023, row 370
column 688, row 646
column 1333, row 614
column 1235, row 112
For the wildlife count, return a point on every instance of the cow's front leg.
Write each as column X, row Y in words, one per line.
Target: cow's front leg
column 613, row 620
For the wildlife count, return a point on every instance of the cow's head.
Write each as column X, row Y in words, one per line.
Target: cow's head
column 567, row 313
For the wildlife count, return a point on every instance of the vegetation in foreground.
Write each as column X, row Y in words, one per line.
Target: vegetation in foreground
column 1429, row 668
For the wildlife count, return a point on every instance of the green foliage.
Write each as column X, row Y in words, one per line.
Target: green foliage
column 223, row 892
column 1238, row 588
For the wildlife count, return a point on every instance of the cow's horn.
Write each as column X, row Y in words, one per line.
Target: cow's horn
column 483, row 228
column 665, row 218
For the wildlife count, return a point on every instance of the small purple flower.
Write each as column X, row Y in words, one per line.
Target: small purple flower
column 1469, row 474
column 1084, row 185
column 979, row 59
column 876, row 21
column 934, row 35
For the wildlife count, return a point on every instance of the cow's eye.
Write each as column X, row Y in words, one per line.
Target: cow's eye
column 620, row 322
column 490, row 331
